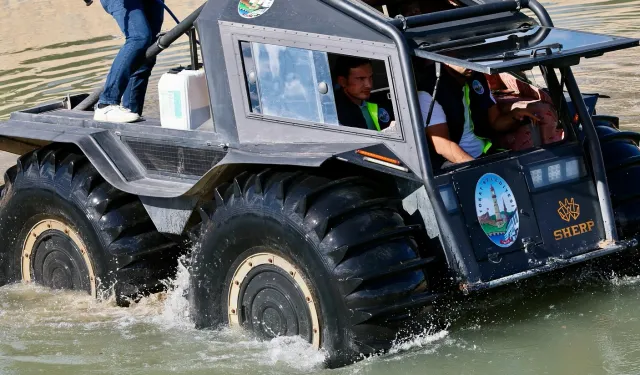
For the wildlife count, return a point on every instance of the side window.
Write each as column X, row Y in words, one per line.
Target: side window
column 289, row 82
column 318, row 87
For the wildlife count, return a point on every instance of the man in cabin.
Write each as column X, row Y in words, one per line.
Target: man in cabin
column 123, row 97
column 471, row 111
column 355, row 77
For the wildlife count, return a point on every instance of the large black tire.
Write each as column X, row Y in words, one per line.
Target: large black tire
column 622, row 162
column 331, row 261
column 63, row 226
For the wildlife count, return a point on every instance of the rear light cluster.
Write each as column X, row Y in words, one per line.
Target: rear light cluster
column 557, row 171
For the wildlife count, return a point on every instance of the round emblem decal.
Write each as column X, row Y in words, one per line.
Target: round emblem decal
column 383, row 115
column 497, row 210
column 477, row 87
column 253, row 8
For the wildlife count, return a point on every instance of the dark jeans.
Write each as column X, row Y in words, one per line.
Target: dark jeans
column 140, row 21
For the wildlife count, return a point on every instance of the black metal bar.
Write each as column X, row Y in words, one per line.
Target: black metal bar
column 539, row 11
column 455, row 14
column 380, row 23
column 434, row 56
column 163, row 42
column 595, row 152
column 172, row 35
column 470, row 40
column 193, row 48
column 434, row 94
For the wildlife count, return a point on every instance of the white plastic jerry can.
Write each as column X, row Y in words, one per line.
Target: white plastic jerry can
column 184, row 99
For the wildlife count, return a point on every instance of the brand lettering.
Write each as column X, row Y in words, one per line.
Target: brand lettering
column 574, row 230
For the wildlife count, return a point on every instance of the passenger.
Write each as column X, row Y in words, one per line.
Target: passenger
column 438, row 132
column 517, row 93
column 473, row 117
column 355, row 77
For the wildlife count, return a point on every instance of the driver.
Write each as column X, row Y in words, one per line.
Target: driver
column 355, row 77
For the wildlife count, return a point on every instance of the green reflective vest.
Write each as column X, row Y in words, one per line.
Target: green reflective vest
column 486, row 143
column 372, row 108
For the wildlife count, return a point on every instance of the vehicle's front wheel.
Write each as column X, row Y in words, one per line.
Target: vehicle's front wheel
column 285, row 253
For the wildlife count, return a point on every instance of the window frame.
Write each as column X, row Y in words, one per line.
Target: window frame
column 313, row 45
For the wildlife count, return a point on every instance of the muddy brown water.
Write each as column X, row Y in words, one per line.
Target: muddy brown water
column 586, row 324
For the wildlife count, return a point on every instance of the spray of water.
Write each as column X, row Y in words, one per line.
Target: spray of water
column 617, row 280
column 171, row 311
column 175, row 309
column 421, row 340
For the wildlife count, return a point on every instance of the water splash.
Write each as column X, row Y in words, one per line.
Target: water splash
column 175, row 309
column 424, row 339
column 624, row 280
column 294, row 352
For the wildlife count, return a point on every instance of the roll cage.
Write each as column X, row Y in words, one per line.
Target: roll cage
column 502, row 39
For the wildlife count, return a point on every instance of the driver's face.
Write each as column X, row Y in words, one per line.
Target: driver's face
column 360, row 82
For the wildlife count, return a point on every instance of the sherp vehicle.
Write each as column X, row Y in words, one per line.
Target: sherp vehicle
column 300, row 225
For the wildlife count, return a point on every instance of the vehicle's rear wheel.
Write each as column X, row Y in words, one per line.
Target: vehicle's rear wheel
column 285, row 253
column 54, row 255
column 64, row 227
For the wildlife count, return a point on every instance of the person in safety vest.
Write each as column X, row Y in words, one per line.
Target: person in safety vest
column 355, row 77
column 438, row 133
column 472, row 115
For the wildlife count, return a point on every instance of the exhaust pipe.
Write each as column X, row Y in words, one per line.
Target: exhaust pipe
column 161, row 44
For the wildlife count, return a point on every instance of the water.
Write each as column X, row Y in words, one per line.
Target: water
column 582, row 325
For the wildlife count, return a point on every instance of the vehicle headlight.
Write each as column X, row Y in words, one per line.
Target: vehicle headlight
column 557, row 171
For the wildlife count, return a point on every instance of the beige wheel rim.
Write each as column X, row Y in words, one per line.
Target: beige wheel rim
column 54, row 225
column 271, row 259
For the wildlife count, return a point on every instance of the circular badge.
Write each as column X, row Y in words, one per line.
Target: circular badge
column 383, row 115
column 497, row 210
column 477, row 87
column 253, row 8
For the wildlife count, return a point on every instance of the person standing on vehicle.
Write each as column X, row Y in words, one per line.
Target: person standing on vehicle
column 355, row 77
column 123, row 97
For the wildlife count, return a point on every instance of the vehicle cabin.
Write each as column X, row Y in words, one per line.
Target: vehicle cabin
column 291, row 79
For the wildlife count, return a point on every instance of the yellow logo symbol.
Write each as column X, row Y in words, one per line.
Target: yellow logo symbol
column 569, row 209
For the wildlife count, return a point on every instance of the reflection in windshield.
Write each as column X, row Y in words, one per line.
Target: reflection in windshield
column 288, row 81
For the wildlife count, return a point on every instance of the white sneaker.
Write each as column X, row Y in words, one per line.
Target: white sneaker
column 115, row 113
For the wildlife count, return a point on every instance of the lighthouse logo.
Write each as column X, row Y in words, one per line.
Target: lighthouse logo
column 497, row 210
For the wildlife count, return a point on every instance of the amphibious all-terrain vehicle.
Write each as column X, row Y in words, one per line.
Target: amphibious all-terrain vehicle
column 303, row 226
